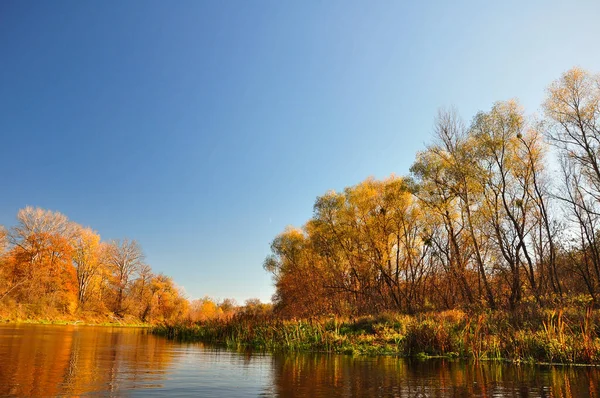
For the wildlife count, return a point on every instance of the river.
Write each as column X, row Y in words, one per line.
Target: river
column 46, row 360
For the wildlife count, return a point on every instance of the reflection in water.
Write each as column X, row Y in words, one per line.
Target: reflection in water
column 44, row 360
column 78, row 360
column 326, row 376
column 71, row 360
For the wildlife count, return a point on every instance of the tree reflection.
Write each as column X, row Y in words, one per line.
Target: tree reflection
column 72, row 360
column 318, row 375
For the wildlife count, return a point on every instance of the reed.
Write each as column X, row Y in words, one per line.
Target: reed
column 557, row 336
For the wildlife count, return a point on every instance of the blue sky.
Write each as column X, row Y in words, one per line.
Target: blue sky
column 202, row 129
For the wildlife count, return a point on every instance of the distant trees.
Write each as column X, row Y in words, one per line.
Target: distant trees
column 206, row 309
column 50, row 265
column 477, row 223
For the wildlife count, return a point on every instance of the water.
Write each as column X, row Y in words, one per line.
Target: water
column 81, row 360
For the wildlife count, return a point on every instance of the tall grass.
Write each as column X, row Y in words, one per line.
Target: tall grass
column 562, row 336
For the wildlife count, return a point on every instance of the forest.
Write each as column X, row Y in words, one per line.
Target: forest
column 53, row 269
column 495, row 214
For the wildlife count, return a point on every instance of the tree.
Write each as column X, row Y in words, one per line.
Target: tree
column 124, row 259
column 88, row 261
column 298, row 280
column 170, row 304
column 438, row 195
column 512, row 168
column 572, row 110
column 143, row 292
column 3, row 239
column 40, row 258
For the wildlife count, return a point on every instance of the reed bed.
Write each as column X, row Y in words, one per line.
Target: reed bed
column 566, row 336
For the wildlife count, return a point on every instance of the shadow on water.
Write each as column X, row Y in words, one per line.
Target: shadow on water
column 40, row 360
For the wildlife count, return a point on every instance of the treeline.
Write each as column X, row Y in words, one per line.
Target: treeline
column 482, row 221
column 53, row 268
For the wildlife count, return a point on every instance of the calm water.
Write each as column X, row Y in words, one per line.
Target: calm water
column 79, row 360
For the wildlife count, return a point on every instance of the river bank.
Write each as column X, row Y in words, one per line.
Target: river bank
column 71, row 322
column 567, row 336
column 83, row 318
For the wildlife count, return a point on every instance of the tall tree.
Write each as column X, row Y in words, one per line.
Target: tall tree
column 41, row 258
column 88, row 261
column 124, row 258
column 572, row 111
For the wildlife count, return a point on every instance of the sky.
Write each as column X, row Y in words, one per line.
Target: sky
column 203, row 128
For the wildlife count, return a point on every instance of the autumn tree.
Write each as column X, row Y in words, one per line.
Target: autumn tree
column 142, row 292
column 450, row 177
column 4, row 273
column 229, row 307
column 88, row 258
column 124, row 259
column 50, row 266
column 516, row 198
column 572, row 111
column 362, row 252
column 204, row 309
column 438, row 194
column 3, row 239
column 298, row 277
column 170, row 304
column 40, row 258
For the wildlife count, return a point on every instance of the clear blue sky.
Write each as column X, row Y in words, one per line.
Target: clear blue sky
column 203, row 128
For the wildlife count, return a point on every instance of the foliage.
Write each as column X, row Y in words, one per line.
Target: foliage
column 53, row 269
column 477, row 225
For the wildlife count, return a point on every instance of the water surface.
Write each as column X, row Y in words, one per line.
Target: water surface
column 45, row 360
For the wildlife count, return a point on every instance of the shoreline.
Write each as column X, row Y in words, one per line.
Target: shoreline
column 555, row 337
column 62, row 322
column 517, row 362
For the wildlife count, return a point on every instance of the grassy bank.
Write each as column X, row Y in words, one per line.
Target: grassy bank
column 86, row 322
column 559, row 336
column 24, row 314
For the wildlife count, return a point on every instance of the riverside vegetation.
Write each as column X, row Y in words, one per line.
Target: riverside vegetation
column 483, row 251
column 532, row 334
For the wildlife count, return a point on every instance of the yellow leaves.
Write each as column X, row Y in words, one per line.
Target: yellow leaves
column 59, row 265
column 36, row 220
column 477, row 209
column 207, row 309
column 574, row 97
column 3, row 239
column 86, row 248
column 353, row 236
